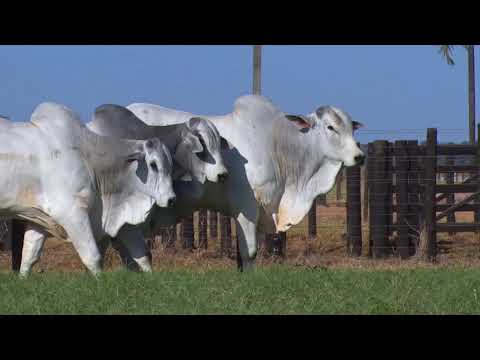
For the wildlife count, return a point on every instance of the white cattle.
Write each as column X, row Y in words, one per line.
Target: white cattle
column 278, row 164
column 194, row 146
column 74, row 184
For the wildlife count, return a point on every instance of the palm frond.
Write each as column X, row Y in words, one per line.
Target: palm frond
column 446, row 52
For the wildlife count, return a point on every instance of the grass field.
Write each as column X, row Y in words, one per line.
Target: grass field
column 269, row 290
column 316, row 277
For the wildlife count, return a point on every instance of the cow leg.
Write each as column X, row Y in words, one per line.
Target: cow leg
column 33, row 241
column 125, row 256
column 246, row 242
column 133, row 242
column 102, row 248
column 80, row 233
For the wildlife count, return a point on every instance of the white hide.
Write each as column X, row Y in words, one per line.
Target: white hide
column 278, row 164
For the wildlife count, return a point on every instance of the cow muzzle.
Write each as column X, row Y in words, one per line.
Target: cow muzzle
column 171, row 202
column 359, row 159
column 222, row 177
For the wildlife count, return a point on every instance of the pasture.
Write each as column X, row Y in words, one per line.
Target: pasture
column 270, row 290
column 315, row 277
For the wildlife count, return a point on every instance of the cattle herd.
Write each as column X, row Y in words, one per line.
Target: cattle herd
column 116, row 179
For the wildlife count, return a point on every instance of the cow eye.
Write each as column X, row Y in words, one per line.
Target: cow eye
column 154, row 167
column 330, row 127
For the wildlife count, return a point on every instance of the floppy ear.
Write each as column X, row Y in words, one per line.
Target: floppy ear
column 356, row 125
column 136, row 156
column 193, row 122
column 322, row 110
column 193, row 142
column 302, row 122
column 224, row 144
column 152, row 144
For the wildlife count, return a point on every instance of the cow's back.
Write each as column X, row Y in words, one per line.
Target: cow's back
column 155, row 115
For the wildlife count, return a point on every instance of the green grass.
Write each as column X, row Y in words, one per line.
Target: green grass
column 272, row 290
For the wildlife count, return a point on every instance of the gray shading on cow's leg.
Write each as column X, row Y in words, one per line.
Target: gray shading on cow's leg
column 246, row 242
column 33, row 241
column 133, row 248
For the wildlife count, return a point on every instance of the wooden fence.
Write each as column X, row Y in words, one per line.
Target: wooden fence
column 404, row 201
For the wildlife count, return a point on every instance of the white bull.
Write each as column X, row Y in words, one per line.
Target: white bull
column 278, row 164
column 67, row 181
column 195, row 148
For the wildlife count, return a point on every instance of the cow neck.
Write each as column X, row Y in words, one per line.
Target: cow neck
column 106, row 155
column 300, row 161
column 125, row 198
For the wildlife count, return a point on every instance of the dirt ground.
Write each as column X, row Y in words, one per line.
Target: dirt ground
column 328, row 250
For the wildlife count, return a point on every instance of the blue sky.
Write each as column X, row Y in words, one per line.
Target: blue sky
column 389, row 88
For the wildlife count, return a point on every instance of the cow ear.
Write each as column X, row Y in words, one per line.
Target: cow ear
column 193, row 122
column 136, row 156
column 150, row 144
column 303, row 123
column 322, row 110
column 224, row 144
column 356, row 125
column 193, row 142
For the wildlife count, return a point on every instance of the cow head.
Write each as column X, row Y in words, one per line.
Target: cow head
column 200, row 151
column 334, row 128
column 155, row 171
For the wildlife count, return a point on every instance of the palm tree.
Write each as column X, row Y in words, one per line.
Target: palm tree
column 447, row 52
column 257, row 69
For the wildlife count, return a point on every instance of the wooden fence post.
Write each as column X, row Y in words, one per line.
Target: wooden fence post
column 370, row 191
column 202, row 228
column 364, row 178
column 401, row 154
column 389, row 156
column 476, row 214
column 18, row 231
column 225, row 235
column 168, row 235
column 338, row 186
column 278, row 243
column 380, row 197
column 213, row 222
column 430, row 193
column 312, row 221
column 450, row 177
column 354, row 211
column 188, row 232
column 413, row 217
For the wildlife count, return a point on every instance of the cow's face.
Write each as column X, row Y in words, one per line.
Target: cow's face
column 200, row 151
column 335, row 129
column 159, row 169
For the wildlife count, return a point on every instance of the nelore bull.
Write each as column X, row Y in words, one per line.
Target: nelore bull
column 195, row 149
column 278, row 164
column 76, row 185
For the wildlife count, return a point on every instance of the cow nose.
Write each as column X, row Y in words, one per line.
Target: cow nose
column 171, row 201
column 222, row 177
column 359, row 159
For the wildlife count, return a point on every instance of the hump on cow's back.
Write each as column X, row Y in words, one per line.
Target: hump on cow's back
column 56, row 120
column 255, row 108
column 112, row 114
